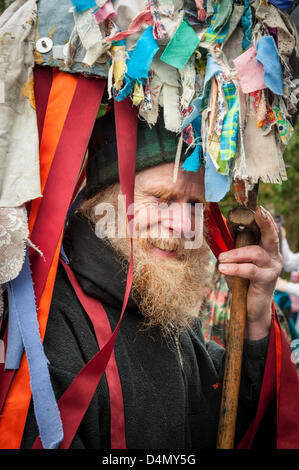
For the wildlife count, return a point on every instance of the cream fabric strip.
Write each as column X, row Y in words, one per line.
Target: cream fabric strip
column 13, row 238
column 19, row 142
column 90, row 35
column 272, row 18
column 261, row 156
column 171, row 105
column 151, row 115
column 165, row 91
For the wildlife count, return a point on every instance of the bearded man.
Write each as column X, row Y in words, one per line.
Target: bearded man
column 170, row 379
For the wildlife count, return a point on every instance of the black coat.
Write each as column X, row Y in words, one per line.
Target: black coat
column 170, row 399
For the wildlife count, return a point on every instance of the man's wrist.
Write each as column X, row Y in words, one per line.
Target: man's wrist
column 256, row 330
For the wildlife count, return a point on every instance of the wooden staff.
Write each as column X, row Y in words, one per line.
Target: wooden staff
column 245, row 232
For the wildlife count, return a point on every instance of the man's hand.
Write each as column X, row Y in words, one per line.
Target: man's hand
column 261, row 265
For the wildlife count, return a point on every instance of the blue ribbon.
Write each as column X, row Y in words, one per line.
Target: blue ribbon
column 246, row 22
column 139, row 62
column 23, row 334
column 216, row 184
column 212, row 69
column 82, row 5
column 282, row 4
column 193, row 162
column 268, row 55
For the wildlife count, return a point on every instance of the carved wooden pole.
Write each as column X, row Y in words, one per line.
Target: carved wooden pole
column 244, row 230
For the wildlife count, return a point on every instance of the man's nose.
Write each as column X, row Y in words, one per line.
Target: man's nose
column 176, row 218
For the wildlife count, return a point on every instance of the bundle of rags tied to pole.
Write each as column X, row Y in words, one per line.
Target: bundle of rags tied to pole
column 224, row 76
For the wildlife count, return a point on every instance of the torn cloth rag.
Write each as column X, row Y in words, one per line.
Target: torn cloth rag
column 19, row 143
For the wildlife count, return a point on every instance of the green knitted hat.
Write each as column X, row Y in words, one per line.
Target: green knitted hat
column 155, row 145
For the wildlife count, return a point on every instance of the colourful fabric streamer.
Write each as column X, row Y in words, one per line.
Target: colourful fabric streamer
column 103, row 332
column 106, row 12
column 282, row 4
column 6, row 376
column 21, row 301
column 60, row 184
column 284, row 127
column 230, row 128
column 246, row 23
column 16, row 406
column 82, row 5
column 195, row 113
column 280, row 375
column 216, row 36
column 216, row 229
column 216, row 185
column 197, row 104
column 43, row 76
column 250, row 72
column 15, row 347
column 85, row 383
column 220, row 223
column 51, row 119
column 142, row 55
column 144, row 16
column 139, row 62
column 268, row 56
column 201, row 12
column 181, row 46
column 159, row 30
column 224, row 11
column 193, row 162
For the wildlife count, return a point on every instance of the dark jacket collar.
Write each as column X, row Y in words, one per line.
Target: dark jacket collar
column 95, row 263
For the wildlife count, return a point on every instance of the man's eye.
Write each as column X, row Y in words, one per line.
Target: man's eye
column 155, row 195
column 161, row 199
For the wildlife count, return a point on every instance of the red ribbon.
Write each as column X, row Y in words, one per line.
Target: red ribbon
column 217, row 234
column 6, row 377
column 63, row 176
column 76, row 399
column 280, row 378
column 102, row 328
column 42, row 86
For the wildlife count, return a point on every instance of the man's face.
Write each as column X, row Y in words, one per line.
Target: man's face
column 169, row 272
column 168, row 213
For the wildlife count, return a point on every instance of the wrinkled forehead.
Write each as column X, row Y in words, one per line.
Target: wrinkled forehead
column 160, row 179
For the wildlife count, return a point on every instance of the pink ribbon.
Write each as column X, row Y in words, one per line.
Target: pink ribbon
column 107, row 11
column 144, row 16
column 200, row 9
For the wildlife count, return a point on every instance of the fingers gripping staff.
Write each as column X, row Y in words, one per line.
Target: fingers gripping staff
column 255, row 264
column 242, row 225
